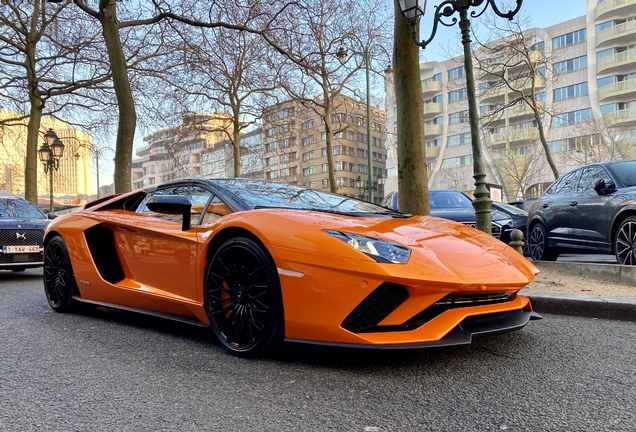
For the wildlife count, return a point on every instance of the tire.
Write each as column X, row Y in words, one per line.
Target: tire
column 625, row 242
column 59, row 280
column 538, row 245
column 243, row 298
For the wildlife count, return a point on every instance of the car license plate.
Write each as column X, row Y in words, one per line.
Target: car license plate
column 20, row 249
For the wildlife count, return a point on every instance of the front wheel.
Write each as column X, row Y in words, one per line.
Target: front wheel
column 625, row 242
column 243, row 298
column 538, row 245
column 59, row 280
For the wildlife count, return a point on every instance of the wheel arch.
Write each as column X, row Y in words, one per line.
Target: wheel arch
column 49, row 236
column 230, row 232
column 618, row 220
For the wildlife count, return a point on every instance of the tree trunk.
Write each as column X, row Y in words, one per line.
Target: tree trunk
column 33, row 128
column 329, row 143
column 412, row 175
column 121, row 84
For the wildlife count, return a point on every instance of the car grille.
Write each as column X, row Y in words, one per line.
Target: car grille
column 32, row 258
column 13, row 237
column 455, row 301
column 373, row 309
column 496, row 229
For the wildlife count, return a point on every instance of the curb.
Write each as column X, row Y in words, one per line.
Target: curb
column 625, row 273
column 620, row 309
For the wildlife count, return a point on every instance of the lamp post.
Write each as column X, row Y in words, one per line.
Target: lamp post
column 342, row 56
column 413, row 10
column 50, row 154
column 369, row 186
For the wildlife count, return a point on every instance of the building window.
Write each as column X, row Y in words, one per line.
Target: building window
column 459, row 117
column 458, row 95
column 307, row 124
column 308, row 155
column 570, row 65
column 308, row 140
column 271, row 146
column 325, row 167
column 569, row 39
column 572, row 117
column 457, row 140
column 456, row 73
column 572, row 91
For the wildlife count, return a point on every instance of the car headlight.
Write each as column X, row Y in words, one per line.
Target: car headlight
column 380, row 250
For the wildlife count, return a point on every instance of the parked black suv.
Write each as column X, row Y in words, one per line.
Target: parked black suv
column 21, row 234
column 589, row 210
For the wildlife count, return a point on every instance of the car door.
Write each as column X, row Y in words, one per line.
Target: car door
column 556, row 209
column 160, row 256
column 589, row 211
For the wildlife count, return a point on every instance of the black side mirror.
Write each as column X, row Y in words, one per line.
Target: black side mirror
column 51, row 216
column 172, row 205
column 603, row 187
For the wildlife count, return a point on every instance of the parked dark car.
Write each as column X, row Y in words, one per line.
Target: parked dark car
column 21, row 234
column 589, row 210
column 457, row 206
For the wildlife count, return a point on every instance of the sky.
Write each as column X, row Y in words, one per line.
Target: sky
column 542, row 13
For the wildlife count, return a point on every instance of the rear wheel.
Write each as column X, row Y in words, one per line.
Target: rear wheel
column 538, row 245
column 625, row 242
column 59, row 280
column 243, row 298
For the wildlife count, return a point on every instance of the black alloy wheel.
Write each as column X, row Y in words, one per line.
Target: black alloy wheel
column 538, row 245
column 243, row 298
column 625, row 242
column 59, row 280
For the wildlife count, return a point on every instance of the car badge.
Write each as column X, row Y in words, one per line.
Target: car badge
column 20, row 236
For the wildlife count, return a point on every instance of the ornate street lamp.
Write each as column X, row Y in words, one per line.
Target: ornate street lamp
column 96, row 154
column 342, row 56
column 369, row 186
column 50, row 154
column 413, row 10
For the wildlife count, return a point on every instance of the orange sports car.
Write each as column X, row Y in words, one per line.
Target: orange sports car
column 263, row 262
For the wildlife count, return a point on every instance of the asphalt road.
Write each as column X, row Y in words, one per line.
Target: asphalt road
column 105, row 370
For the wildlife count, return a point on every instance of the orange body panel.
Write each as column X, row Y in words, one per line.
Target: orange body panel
column 322, row 278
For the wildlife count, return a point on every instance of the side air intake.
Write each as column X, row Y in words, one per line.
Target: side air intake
column 373, row 309
column 101, row 244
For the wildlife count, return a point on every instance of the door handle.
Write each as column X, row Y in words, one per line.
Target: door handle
column 573, row 203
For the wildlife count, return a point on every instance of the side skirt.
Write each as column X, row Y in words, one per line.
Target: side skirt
column 172, row 317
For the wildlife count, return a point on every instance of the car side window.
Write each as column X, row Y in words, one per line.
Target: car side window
column 198, row 197
column 216, row 209
column 566, row 184
column 588, row 175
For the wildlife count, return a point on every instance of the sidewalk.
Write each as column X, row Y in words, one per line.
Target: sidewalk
column 593, row 286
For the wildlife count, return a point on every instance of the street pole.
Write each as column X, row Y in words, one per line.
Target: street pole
column 51, row 188
column 97, row 170
column 482, row 202
column 369, row 149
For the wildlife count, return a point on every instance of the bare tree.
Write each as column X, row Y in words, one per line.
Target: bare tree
column 519, row 170
column 513, row 63
column 46, row 53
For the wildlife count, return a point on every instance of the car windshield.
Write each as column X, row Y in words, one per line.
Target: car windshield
column 449, row 199
column 510, row 209
column 259, row 194
column 19, row 208
column 626, row 171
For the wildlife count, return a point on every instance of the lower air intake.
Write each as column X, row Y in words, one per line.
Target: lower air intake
column 373, row 309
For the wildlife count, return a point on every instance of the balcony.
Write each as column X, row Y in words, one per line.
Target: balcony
column 513, row 63
column 621, row 34
column 626, row 117
column 625, row 90
column 501, row 90
column 624, row 62
column 433, row 109
column 521, row 136
column 615, row 9
column 524, row 110
column 432, row 152
column 430, row 88
column 433, row 130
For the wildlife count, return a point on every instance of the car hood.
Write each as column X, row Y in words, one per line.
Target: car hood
column 467, row 215
column 18, row 223
column 442, row 251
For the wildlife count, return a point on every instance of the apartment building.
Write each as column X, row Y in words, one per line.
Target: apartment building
column 177, row 152
column 582, row 75
column 74, row 175
column 295, row 148
column 219, row 161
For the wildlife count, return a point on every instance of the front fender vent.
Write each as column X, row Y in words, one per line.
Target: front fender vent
column 375, row 307
column 101, row 244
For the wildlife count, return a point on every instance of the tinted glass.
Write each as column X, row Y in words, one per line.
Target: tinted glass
column 19, row 208
column 566, row 184
column 510, row 209
column 588, row 175
column 256, row 194
column 449, row 199
column 626, row 172
column 198, row 198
